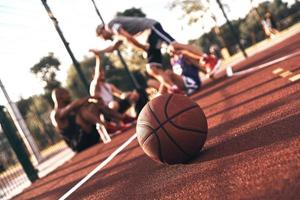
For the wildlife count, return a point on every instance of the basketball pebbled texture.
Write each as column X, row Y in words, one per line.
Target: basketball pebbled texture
column 171, row 129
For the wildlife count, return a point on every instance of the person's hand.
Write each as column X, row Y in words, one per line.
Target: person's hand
column 124, row 95
column 95, row 52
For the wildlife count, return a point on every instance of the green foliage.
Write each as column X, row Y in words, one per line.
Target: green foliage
column 250, row 28
column 46, row 70
column 193, row 10
column 36, row 111
column 132, row 12
column 120, row 78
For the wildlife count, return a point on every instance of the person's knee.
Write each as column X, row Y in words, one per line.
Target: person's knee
column 153, row 69
column 168, row 72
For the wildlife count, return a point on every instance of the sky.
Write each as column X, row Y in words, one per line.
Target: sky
column 27, row 34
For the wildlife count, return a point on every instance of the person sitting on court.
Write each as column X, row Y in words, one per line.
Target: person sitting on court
column 183, row 78
column 73, row 119
column 112, row 97
column 208, row 63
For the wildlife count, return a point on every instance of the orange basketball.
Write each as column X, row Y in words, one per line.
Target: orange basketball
column 171, row 129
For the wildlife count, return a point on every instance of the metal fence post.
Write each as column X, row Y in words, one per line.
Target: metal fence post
column 17, row 145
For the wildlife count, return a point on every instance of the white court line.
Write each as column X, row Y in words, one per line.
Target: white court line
column 99, row 167
column 230, row 72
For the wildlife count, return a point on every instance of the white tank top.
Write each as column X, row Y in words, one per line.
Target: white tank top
column 105, row 92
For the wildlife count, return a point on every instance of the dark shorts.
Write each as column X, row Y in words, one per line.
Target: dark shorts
column 79, row 140
column 156, row 37
column 124, row 104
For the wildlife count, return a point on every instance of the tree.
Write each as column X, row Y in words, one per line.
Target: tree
column 132, row 12
column 46, row 70
column 195, row 10
column 36, row 111
column 250, row 29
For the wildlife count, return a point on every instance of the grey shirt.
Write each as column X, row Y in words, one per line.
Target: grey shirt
column 133, row 25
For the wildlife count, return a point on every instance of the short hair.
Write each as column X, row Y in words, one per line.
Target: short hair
column 99, row 28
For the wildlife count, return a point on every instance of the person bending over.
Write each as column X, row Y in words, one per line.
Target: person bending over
column 145, row 34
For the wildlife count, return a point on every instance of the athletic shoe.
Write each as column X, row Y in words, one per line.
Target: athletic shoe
column 120, row 129
column 113, row 129
column 211, row 64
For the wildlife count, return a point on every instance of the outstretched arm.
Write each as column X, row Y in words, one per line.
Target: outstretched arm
column 98, row 74
column 132, row 40
column 73, row 106
column 109, row 49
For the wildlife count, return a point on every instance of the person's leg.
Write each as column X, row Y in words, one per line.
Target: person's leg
column 153, row 83
column 87, row 139
column 88, row 116
column 162, row 89
column 162, row 34
column 159, row 74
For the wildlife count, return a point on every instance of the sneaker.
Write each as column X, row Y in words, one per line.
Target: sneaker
column 115, row 129
column 112, row 128
column 211, row 64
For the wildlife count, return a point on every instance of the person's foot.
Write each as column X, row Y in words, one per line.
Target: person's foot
column 113, row 129
column 211, row 64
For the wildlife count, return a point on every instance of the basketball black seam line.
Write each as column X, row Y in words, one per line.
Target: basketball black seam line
column 153, row 130
column 159, row 148
column 158, row 141
column 179, row 127
column 187, row 129
column 166, row 132
column 160, row 126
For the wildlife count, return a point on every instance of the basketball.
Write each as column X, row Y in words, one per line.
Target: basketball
column 171, row 129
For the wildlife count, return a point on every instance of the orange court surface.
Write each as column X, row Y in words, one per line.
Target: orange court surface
column 252, row 150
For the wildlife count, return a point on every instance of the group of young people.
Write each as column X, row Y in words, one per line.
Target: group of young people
column 79, row 120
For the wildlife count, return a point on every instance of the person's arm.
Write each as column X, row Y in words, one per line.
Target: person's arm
column 132, row 40
column 116, row 92
column 194, row 62
column 109, row 49
column 73, row 106
column 98, row 73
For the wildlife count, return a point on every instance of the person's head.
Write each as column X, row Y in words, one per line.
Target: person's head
column 60, row 97
column 103, row 32
column 268, row 15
